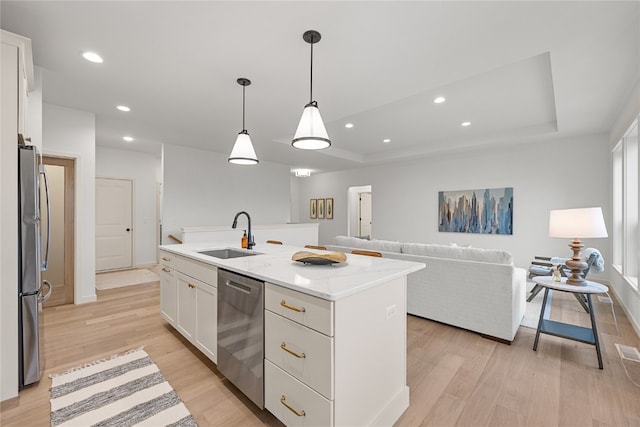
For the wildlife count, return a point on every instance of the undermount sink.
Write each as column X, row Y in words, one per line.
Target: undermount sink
column 228, row 253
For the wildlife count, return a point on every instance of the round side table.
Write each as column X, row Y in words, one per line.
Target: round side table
column 566, row 330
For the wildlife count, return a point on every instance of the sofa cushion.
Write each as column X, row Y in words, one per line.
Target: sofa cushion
column 371, row 245
column 454, row 252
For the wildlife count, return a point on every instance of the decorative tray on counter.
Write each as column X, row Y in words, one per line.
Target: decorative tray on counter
column 306, row 257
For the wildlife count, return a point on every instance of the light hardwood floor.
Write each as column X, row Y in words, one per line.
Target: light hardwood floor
column 456, row 377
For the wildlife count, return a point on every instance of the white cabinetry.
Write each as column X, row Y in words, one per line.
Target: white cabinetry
column 299, row 357
column 168, row 296
column 188, row 300
column 337, row 362
column 25, row 81
column 186, row 323
column 207, row 320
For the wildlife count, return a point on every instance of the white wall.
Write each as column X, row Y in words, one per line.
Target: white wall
column 552, row 175
column 71, row 134
column 201, row 188
column 34, row 109
column 627, row 115
column 141, row 168
column 294, row 188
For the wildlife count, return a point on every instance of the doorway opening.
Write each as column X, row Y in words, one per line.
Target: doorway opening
column 360, row 223
column 61, row 261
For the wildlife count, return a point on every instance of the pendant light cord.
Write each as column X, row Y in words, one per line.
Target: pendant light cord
column 243, row 128
column 311, row 79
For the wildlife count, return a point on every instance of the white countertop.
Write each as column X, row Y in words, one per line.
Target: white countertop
column 274, row 265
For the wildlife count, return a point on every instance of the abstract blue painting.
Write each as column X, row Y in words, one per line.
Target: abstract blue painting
column 488, row 211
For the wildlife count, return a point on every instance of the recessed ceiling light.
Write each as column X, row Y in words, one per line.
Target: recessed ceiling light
column 349, row 125
column 123, row 108
column 465, row 124
column 93, row 57
column 439, row 100
column 386, row 140
column 127, row 138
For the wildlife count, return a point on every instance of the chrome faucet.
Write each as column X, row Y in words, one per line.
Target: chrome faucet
column 250, row 242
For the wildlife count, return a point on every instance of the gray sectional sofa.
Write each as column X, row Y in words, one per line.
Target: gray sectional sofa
column 471, row 288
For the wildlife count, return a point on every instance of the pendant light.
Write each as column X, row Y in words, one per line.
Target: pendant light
column 311, row 133
column 243, row 152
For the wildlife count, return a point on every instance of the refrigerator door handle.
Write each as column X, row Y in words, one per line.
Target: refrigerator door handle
column 43, row 298
column 45, row 261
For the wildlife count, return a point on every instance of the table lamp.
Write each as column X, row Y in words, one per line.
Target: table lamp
column 576, row 224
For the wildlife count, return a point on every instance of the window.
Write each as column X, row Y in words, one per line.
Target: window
column 618, row 247
column 626, row 233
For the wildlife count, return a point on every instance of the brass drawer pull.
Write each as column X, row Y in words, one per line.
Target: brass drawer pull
column 290, row 307
column 299, row 356
column 166, row 270
column 283, row 401
column 191, row 286
column 166, row 259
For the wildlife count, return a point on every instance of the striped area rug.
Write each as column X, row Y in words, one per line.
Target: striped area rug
column 126, row 390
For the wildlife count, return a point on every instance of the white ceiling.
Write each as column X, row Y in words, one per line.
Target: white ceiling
column 518, row 71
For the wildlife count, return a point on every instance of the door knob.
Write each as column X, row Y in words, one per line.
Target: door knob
column 128, row 229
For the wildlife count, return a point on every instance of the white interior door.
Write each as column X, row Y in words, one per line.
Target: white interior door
column 113, row 224
column 365, row 215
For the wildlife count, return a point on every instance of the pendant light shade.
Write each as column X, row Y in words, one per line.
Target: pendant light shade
column 311, row 133
column 243, row 152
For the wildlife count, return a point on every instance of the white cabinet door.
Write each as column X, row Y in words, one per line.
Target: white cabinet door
column 189, row 300
column 168, row 295
column 186, row 306
column 207, row 320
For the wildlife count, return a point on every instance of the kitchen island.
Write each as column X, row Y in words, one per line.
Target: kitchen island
column 334, row 335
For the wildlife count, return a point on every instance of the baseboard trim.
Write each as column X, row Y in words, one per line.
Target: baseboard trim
column 632, row 320
column 87, row 299
column 393, row 410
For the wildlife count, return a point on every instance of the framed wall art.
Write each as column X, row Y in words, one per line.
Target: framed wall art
column 484, row 211
column 328, row 209
column 313, row 213
column 320, row 208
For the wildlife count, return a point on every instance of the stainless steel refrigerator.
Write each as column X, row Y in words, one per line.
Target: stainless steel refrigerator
column 32, row 290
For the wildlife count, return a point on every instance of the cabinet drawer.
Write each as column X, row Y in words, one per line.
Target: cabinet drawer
column 281, row 388
column 300, row 351
column 198, row 270
column 305, row 309
column 166, row 258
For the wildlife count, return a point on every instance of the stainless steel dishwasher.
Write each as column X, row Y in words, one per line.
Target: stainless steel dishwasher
column 241, row 333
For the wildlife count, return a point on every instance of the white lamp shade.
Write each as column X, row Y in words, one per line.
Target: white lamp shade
column 311, row 133
column 577, row 223
column 243, row 152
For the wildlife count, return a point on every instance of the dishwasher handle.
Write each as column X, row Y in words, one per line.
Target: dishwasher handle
column 238, row 286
